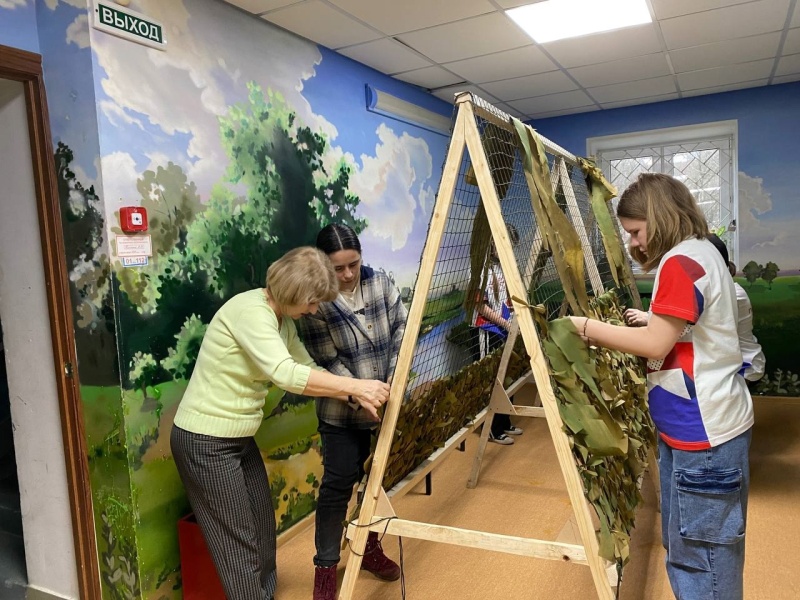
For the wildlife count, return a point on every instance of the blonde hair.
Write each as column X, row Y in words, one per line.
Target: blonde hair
column 302, row 276
column 670, row 211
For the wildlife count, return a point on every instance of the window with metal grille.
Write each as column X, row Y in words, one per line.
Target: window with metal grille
column 702, row 156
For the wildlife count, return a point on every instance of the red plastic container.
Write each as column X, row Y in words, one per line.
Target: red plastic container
column 200, row 580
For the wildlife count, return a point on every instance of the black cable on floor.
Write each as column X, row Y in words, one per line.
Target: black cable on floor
column 385, row 520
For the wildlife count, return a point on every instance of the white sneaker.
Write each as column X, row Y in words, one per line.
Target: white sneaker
column 501, row 439
column 514, row 430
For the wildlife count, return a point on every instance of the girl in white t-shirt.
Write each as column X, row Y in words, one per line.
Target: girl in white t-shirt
column 698, row 399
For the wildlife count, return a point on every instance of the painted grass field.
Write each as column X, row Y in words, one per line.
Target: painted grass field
column 152, row 479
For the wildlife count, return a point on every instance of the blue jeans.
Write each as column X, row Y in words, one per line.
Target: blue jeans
column 344, row 450
column 703, row 518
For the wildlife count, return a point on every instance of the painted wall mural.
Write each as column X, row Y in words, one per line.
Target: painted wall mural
column 18, row 25
column 241, row 141
column 769, row 202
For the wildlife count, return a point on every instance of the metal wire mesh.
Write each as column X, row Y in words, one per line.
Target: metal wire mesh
column 448, row 337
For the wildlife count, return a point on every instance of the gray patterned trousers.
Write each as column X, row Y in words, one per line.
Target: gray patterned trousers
column 228, row 488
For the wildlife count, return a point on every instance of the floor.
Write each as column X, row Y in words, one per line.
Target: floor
column 521, row 492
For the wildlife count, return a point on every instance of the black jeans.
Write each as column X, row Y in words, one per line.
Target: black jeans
column 344, row 450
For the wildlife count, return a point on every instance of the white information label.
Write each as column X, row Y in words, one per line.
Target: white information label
column 134, row 246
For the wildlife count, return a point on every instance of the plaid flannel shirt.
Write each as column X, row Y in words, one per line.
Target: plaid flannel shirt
column 338, row 342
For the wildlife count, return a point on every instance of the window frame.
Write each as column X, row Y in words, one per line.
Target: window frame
column 671, row 136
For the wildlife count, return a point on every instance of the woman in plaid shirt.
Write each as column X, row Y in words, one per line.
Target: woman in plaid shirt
column 356, row 335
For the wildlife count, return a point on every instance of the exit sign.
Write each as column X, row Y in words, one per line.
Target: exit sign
column 128, row 24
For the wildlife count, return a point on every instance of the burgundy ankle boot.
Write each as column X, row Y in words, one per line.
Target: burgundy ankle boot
column 325, row 583
column 376, row 562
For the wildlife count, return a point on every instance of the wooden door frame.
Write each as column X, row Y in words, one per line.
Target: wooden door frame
column 26, row 67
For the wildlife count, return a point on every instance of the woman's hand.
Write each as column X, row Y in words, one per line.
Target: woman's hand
column 371, row 395
column 635, row 318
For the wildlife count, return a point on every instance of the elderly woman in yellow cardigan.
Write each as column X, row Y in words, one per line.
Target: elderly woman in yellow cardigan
column 250, row 346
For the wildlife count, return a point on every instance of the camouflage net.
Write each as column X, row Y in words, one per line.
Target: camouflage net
column 435, row 413
column 601, row 398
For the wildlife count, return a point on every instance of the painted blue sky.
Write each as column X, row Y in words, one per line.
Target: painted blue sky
column 18, row 25
column 148, row 107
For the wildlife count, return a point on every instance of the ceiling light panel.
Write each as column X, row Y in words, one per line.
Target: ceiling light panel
column 562, row 19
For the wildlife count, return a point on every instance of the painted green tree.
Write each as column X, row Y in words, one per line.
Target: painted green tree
column 770, row 273
column 752, row 271
column 283, row 183
column 291, row 192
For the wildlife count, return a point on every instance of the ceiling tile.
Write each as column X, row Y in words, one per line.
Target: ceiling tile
column 429, row 78
column 726, row 88
column 620, row 71
column 533, row 85
column 786, row 79
column 761, row 16
column 386, row 55
column 792, row 43
column 408, row 15
column 605, row 47
column 468, row 38
column 789, row 65
column 795, row 17
column 320, row 23
column 724, row 76
column 527, row 60
column 637, row 101
column 515, row 3
column 729, row 52
column 511, row 110
column 260, row 6
column 574, row 99
column 562, row 112
column 448, row 94
column 634, row 89
column 666, row 9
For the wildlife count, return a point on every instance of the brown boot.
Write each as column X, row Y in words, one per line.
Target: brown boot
column 325, row 583
column 377, row 563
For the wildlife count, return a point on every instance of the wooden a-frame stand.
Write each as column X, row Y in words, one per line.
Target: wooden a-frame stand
column 377, row 514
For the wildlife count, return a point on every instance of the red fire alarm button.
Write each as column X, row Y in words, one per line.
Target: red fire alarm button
column 133, row 219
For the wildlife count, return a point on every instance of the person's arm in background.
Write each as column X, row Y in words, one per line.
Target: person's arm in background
column 635, row 317
column 493, row 316
column 290, row 368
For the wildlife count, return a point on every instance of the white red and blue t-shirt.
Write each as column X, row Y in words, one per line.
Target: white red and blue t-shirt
column 698, row 398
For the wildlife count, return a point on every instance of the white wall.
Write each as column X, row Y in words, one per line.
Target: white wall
column 46, row 520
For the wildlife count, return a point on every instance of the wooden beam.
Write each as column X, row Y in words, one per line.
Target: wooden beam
column 464, row 121
column 482, row 540
column 538, row 363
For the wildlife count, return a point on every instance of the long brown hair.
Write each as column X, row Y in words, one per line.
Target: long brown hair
column 670, row 211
